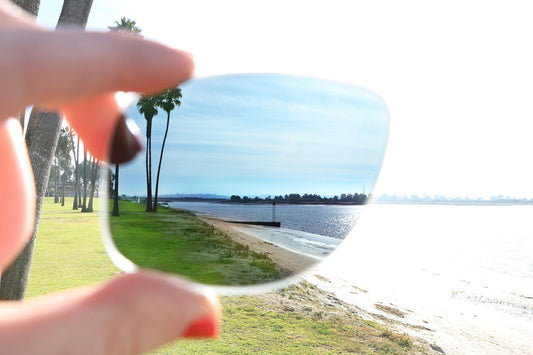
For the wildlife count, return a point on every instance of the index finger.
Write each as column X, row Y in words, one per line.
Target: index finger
column 53, row 68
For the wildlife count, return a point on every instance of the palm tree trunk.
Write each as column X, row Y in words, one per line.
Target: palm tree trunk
column 149, row 165
column 75, row 13
column 30, row 6
column 115, row 212
column 94, row 175
column 84, row 203
column 160, row 160
column 63, row 190
column 75, row 203
column 78, row 181
column 56, row 178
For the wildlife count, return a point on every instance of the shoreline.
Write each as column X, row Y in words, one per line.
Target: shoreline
column 288, row 262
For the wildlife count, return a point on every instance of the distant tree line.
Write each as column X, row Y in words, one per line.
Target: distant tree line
column 73, row 173
column 343, row 199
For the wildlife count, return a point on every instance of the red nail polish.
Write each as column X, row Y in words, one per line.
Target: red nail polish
column 126, row 142
column 205, row 327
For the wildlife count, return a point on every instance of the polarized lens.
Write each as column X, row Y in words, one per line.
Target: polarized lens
column 246, row 179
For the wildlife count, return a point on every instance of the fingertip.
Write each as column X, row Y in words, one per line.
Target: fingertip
column 206, row 323
column 129, row 314
column 161, row 308
column 175, row 67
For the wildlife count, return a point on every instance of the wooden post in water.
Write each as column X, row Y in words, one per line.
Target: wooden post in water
column 273, row 212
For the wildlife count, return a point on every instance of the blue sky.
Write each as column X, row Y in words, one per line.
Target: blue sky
column 266, row 134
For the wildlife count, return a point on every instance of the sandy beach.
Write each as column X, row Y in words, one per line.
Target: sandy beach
column 289, row 262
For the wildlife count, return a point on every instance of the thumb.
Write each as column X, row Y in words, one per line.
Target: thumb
column 17, row 189
column 130, row 314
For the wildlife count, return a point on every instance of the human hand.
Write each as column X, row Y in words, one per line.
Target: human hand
column 77, row 73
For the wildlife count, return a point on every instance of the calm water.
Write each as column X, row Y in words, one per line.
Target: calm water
column 330, row 221
column 312, row 230
column 465, row 270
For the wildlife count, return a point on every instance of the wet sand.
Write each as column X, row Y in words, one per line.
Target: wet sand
column 289, row 262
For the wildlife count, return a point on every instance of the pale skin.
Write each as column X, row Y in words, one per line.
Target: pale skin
column 76, row 73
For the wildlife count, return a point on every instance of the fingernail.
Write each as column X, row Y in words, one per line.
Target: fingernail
column 205, row 327
column 126, row 142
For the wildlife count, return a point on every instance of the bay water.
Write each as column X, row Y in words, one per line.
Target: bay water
column 312, row 230
column 461, row 275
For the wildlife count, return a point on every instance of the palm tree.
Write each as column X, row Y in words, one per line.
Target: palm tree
column 125, row 25
column 63, row 160
column 167, row 101
column 147, row 106
column 75, row 154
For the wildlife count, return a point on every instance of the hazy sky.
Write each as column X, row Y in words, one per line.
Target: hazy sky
column 456, row 76
column 260, row 135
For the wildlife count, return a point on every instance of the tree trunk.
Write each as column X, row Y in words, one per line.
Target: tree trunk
column 41, row 139
column 84, row 203
column 115, row 212
column 56, row 178
column 149, row 165
column 94, row 176
column 63, row 190
column 30, row 6
column 78, row 181
column 159, row 166
column 75, row 203
column 75, row 13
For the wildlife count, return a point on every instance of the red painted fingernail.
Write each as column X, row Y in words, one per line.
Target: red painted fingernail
column 126, row 142
column 205, row 327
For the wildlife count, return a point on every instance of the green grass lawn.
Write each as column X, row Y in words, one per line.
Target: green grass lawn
column 68, row 250
column 296, row 320
column 177, row 241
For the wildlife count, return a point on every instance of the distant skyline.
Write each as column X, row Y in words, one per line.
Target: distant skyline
column 456, row 76
column 448, row 199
